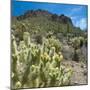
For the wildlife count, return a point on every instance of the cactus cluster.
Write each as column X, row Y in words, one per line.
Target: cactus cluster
column 53, row 42
column 35, row 65
column 77, row 43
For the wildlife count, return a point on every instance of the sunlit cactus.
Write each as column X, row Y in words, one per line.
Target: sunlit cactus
column 18, row 84
column 52, row 51
column 77, row 43
column 53, row 42
column 14, row 45
column 37, row 65
column 12, row 74
column 26, row 38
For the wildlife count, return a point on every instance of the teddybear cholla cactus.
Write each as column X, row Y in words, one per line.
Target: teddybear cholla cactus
column 32, row 66
column 53, row 42
column 77, row 43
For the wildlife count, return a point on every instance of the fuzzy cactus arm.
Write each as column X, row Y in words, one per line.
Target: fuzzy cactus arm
column 26, row 38
column 25, row 76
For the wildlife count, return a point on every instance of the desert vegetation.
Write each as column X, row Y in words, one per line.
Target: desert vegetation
column 47, row 50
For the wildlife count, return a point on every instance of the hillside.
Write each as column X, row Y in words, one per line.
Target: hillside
column 43, row 21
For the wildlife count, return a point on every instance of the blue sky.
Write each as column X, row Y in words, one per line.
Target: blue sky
column 78, row 13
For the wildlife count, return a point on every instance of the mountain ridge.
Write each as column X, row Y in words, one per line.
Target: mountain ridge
column 40, row 12
column 42, row 20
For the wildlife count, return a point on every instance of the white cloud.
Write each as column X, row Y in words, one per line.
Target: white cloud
column 82, row 23
column 75, row 17
column 78, row 20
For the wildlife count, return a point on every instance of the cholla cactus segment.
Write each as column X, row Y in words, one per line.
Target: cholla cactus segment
column 18, row 84
column 81, row 38
column 33, row 67
column 12, row 75
column 14, row 45
column 52, row 51
column 59, row 53
column 22, row 45
column 46, row 56
column 61, row 57
column 56, row 57
column 26, row 38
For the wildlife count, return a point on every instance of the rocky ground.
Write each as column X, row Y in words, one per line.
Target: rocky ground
column 80, row 70
column 79, row 76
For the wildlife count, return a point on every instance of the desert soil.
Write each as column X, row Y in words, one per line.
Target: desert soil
column 79, row 76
